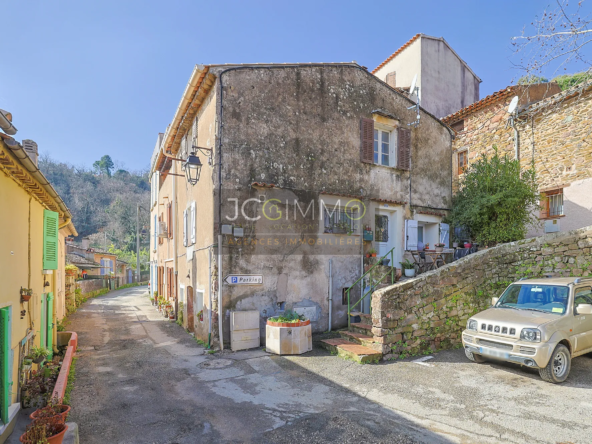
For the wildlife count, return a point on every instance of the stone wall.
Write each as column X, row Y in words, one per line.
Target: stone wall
column 429, row 312
column 89, row 285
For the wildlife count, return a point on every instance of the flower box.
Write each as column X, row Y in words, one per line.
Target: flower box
column 288, row 338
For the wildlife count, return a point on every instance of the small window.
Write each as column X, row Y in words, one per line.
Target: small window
column 339, row 220
column 463, row 161
column 551, row 204
column 382, row 147
column 458, row 126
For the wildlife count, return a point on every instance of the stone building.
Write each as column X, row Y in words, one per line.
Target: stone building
column 446, row 82
column 552, row 129
column 306, row 167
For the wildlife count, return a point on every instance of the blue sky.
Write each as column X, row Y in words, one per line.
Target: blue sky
column 88, row 78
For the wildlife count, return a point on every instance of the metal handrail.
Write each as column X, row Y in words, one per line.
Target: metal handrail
column 372, row 285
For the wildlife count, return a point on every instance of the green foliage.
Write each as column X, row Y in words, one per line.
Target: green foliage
column 39, row 352
column 406, row 265
column 496, row 200
column 288, row 317
column 70, row 383
column 130, row 256
column 101, row 202
column 104, row 166
column 531, row 79
column 567, row 81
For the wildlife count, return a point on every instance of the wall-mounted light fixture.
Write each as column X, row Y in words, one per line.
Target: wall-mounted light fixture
column 192, row 165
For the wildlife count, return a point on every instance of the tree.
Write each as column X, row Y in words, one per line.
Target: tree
column 496, row 200
column 567, row 81
column 559, row 37
column 104, row 166
column 532, row 79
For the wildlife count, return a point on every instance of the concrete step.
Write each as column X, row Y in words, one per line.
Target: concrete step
column 361, row 327
column 357, row 338
column 349, row 350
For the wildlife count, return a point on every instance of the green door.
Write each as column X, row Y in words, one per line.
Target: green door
column 50, row 323
column 4, row 364
column 46, row 333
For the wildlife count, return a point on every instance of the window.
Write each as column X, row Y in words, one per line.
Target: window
column 463, row 161
column 551, row 204
column 458, row 126
column 340, row 221
column 382, row 144
column 381, row 228
column 160, row 239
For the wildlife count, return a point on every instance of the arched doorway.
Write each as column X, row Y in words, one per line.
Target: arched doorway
column 190, row 323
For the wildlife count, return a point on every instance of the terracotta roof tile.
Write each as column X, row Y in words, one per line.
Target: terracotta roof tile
column 483, row 103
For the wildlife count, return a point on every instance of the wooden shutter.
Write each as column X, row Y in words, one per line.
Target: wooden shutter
column 367, row 140
column 192, row 225
column 185, row 243
column 404, row 149
column 544, row 213
column 411, row 235
column 50, row 240
column 160, row 219
column 170, row 220
column 4, row 364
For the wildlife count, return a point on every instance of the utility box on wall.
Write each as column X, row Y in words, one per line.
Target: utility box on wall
column 244, row 330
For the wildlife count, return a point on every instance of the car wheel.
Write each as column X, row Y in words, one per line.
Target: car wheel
column 557, row 370
column 473, row 357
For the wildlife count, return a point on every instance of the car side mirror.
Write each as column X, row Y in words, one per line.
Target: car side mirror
column 584, row 309
column 494, row 301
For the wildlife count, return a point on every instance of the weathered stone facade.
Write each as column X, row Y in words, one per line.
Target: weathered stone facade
column 429, row 312
column 555, row 133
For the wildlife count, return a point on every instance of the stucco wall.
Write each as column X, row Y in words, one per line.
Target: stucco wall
column 298, row 128
column 447, row 85
column 430, row 311
column 406, row 65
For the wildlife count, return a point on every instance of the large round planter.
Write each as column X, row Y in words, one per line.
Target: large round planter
column 64, row 414
column 439, row 249
column 409, row 272
column 288, row 338
column 55, row 439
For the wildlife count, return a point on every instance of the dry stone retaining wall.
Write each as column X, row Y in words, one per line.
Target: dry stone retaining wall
column 429, row 312
column 90, row 285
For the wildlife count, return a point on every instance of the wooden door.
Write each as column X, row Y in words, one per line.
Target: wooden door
column 190, row 317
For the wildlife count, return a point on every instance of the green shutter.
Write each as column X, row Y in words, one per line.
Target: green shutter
column 50, row 323
column 50, row 240
column 4, row 364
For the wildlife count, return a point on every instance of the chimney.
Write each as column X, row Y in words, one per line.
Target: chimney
column 85, row 243
column 391, row 79
column 30, row 148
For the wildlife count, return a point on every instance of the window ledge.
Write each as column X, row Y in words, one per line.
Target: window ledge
column 388, row 167
column 552, row 217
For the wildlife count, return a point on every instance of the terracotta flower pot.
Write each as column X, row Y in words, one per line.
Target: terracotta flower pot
column 25, row 297
column 64, row 414
column 373, row 254
column 55, row 439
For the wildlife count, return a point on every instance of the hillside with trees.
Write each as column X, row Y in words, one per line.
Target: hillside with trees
column 103, row 201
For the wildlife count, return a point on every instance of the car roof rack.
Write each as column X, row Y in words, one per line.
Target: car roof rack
column 579, row 280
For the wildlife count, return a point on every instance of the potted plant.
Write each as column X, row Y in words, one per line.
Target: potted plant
column 372, row 252
column 408, row 267
column 455, row 242
column 288, row 334
column 38, row 354
column 71, row 270
column 468, row 245
column 46, row 430
column 27, row 364
column 51, row 410
column 26, row 294
column 439, row 247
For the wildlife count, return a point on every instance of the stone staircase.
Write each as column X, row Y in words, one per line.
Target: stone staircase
column 356, row 343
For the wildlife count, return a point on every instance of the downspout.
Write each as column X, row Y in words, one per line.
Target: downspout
column 330, row 291
column 175, row 252
column 220, row 332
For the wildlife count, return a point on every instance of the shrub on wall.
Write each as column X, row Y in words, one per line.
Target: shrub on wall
column 495, row 200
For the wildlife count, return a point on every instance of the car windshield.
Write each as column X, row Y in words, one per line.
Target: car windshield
column 546, row 298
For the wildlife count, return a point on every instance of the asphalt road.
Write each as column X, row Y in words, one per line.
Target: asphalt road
column 143, row 379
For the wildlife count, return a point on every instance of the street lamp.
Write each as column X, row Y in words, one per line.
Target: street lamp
column 192, row 167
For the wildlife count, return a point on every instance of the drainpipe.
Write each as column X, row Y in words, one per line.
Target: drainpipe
column 330, row 291
column 220, row 332
column 176, row 259
column 210, row 297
